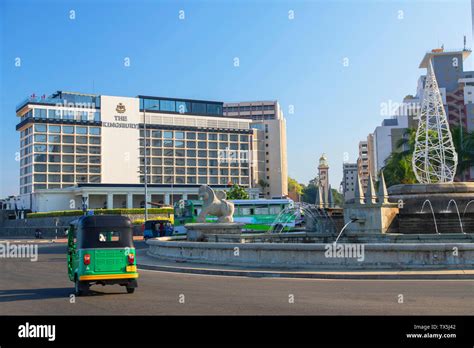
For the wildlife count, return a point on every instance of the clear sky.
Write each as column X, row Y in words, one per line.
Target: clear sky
column 297, row 60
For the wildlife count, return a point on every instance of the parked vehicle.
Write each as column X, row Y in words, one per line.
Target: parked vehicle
column 157, row 228
column 100, row 250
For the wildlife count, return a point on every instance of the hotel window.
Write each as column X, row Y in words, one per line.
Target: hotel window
column 54, row 148
column 212, row 171
column 213, row 145
column 54, row 178
column 202, row 136
column 40, row 148
column 81, row 169
column 168, row 179
column 156, row 180
column 168, row 135
column 199, row 108
column 190, row 135
column 94, row 159
column 179, row 135
column 81, row 149
column 191, row 144
column 168, row 143
column 156, row 161
column 40, row 128
column 94, row 131
column 191, row 153
column 81, row 140
column 156, row 143
column 156, row 134
column 234, row 137
column 68, row 178
column 203, row 180
column 180, row 161
column 191, row 171
column 40, row 158
column 68, row 129
column 179, row 143
column 180, row 171
column 168, row 152
column 191, row 180
column 40, row 177
column 191, row 162
column 179, row 153
column 68, row 168
column 213, row 163
column 96, row 116
column 54, row 138
column 54, row 158
column 94, row 140
column 202, row 163
column 94, row 150
column 40, row 113
column 212, row 136
column 168, row 162
column 157, row 170
column 81, row 130
column 40, row 138
column 202, row 153
column 68, row 139
column 167, row 105
column 81, row 159
column 68, row 159
column 183, row 107
column 202, row 145
column 157, row 152
column 40, row 168
column 180, row 180
column 54, row 129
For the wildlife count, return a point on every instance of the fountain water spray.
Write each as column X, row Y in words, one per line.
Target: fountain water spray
column 432, row 212
column 457, row 209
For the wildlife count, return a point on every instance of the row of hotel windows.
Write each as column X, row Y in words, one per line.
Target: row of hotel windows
column 43, row 158
column 201, row 162
column 182, row 107
column 43, row 128
column 56, row 168
column 248, row 108
column 212, row 180
column 57, row 178
column 63, row 114
column 180, row 135
column 194, row 171
column 212, row 145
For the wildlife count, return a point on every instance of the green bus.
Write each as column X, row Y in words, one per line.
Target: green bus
column 258, row 215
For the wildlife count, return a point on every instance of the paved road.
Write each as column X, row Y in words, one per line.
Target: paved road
column 42, row 287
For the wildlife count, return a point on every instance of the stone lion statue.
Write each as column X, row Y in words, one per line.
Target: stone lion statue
column 215, row 204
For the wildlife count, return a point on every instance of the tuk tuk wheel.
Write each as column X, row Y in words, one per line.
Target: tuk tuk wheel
column 130, row 290
column 80, row 288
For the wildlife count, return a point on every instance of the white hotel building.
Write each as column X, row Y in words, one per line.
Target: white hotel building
column 79, row 148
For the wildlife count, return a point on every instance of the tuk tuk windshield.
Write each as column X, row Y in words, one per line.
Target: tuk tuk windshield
column 100, row 237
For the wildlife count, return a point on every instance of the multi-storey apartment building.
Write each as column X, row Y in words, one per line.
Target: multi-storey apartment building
column 99, row 149
column 349, row 178
column 270, row 143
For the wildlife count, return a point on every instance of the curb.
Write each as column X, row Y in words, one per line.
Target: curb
column 396, row 275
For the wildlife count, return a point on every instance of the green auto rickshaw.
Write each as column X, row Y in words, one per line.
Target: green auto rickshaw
column 101, row 251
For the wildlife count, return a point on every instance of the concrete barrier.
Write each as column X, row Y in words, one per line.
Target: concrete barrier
column 325, row 256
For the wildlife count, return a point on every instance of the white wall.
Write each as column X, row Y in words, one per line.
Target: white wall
column 120, row 146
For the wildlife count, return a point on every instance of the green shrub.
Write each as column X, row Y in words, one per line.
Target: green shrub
column 134, row 211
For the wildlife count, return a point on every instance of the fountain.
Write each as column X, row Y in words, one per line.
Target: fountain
column 457, row 210
column 432, row 212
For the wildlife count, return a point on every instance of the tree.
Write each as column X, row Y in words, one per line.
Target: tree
column 294, row 186
column 309, row 193
column 398, row 166
column 237, row 192
column 338, row 198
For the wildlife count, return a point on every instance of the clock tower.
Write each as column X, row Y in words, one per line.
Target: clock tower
column 323, row 175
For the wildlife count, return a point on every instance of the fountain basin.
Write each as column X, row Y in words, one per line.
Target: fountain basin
column 297, row 255
column 214, row 231
column 412, row 196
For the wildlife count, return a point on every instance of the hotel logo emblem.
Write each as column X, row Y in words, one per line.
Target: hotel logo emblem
column 120, row 108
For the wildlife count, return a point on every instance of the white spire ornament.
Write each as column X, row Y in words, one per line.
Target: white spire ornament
column 435, row 158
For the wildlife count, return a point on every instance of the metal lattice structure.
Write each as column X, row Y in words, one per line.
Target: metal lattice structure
column 435, row 158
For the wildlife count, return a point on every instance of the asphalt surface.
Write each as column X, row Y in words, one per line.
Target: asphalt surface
column 43, row 288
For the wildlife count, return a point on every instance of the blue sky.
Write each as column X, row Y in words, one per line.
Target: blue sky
column 297, row 61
